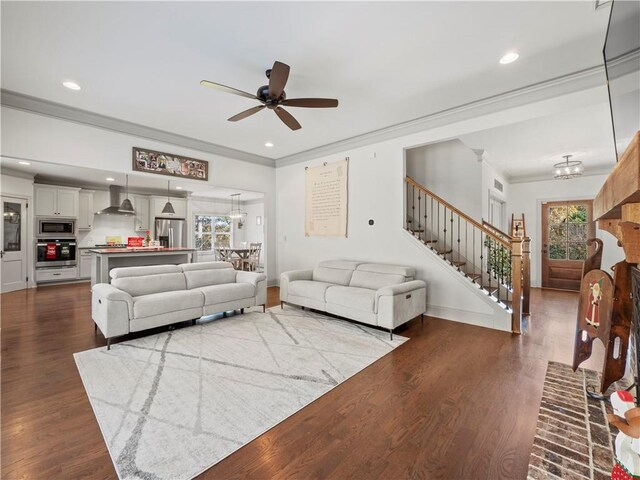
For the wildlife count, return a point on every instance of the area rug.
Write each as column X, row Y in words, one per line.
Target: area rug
column 573, row 439
column 173, row 404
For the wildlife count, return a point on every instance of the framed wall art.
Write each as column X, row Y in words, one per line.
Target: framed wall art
column 161, row 163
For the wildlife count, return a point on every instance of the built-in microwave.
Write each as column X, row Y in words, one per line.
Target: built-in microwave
column 56, row 228
column 56, row 252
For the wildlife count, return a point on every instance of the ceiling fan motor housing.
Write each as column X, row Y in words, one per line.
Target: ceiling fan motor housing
column 263, row 94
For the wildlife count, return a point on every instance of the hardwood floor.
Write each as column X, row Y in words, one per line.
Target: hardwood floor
column 455, row 402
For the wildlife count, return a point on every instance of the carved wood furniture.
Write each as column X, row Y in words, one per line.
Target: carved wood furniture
column 617, row 210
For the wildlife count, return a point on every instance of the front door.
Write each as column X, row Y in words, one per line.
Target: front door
column 566, row 226
column 13, row 240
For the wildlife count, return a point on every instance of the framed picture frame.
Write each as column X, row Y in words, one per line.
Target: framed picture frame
column 162, row 163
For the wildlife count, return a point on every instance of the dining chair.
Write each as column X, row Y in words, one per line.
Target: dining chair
column 252, row 262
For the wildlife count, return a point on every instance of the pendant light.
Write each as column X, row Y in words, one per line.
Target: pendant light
column 168, row 208
column 235, row 213
column 568, row 169
column 126, row 207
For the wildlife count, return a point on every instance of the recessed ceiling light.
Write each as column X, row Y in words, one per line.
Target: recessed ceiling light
column 71, row 85
column 509, row 58
column 110, row 179
column 22, row 162
column 268, row 144
column 178, row 188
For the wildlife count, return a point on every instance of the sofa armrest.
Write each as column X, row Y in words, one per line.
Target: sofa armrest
column 397, row 304
column 259, row 282
column 250, row 277
column 111, row 309
column 292, row 276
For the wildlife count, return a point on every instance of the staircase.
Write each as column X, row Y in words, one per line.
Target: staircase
column 495, row 262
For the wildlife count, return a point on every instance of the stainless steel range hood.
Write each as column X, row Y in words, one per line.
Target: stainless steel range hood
column 114, row 203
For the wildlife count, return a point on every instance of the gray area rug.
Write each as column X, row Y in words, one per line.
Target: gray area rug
column 173, row 404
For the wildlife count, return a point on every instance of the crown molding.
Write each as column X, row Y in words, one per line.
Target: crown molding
column 573, row 82
column 590, row 172
column 16, row 173
column 28, row 103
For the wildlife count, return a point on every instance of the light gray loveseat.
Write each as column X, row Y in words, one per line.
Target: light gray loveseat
column 373, row 293
column 139, row 298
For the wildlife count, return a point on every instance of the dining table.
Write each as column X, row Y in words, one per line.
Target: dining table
column 233, row 255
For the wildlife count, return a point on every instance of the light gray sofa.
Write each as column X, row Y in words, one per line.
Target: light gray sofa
column 373, row 293
column 139, row 298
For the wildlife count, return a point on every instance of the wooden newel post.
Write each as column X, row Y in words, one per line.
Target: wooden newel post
column 516, row 275
column 526, row 275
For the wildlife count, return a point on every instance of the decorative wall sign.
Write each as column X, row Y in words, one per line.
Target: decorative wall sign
column 326, row 200
column 150, row 161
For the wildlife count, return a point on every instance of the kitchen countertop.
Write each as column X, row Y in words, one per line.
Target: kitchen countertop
column 142, row 250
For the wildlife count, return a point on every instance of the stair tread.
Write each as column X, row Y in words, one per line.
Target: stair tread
column 443, row 252
column 458, row 264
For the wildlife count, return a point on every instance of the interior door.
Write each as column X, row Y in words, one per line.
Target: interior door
column 13, row 237
column 566, row 226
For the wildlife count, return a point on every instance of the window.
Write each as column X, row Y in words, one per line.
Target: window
column 568, row 225
column 212, row 231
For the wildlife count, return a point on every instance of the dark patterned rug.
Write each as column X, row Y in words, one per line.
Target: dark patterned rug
column 573, row 439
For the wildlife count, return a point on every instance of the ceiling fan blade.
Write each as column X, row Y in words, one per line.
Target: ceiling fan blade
column 311, row 102
column 287, row 119
column 224, row 88
column 246, row 113
column 278, row 79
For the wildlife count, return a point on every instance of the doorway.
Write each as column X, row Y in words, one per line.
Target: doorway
column 566, row 226
column 13, row 241
column 497, row 212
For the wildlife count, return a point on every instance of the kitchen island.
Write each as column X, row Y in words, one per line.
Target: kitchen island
column 104, row 259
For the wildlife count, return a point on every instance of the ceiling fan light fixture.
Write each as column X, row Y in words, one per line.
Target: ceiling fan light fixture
column 568, row 169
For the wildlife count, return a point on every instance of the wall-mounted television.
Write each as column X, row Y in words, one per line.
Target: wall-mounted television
column 622, row 64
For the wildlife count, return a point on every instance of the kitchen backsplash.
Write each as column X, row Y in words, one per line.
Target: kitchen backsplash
column 107, row 225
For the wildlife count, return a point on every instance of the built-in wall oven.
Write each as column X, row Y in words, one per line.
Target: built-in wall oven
column 56, row 228
column 56, row 252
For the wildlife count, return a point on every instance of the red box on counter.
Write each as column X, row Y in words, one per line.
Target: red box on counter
column 135, row 241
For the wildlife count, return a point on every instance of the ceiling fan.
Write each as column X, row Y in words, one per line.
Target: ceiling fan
column 273, row 97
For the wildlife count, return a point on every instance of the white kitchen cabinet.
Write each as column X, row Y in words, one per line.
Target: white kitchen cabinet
column 85, row 216
column 141, row 206
column 85, row 264
column 179, row 205
column 53, row 201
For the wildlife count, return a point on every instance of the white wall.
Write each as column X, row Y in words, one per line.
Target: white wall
column 451, row 170
column 40, row 138
column 527, row 198
column 251, row 232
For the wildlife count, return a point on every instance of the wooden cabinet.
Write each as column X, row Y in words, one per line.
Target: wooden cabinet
column 85, row 215
column 85, row 264
column 141, row 206
column 53, row 201
column 179, row 205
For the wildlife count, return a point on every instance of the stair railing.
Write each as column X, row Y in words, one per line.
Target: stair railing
column 490, row 259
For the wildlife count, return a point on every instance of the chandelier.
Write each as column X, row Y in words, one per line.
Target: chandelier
column 568, row 169
column 235, row 213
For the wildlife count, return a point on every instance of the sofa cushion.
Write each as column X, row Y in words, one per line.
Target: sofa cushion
column 123, row 272
column 189, row 267
column 374, row 280
column 309, row 289
column 340, row 264
column 148, row 284
column 212, row 276
column 332, row 275
column 408, row 272
column 226, row 292
column 352, row 297
column 165, row 302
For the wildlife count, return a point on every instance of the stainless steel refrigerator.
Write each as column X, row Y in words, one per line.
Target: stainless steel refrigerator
column 171, row 232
